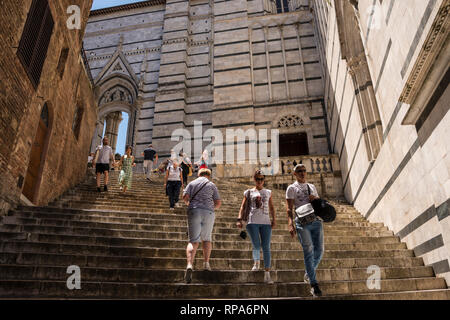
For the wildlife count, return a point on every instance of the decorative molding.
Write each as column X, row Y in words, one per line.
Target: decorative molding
column 437, row 37
column 291, row 121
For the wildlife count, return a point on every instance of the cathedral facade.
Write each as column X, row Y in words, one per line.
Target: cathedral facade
column 209, row 66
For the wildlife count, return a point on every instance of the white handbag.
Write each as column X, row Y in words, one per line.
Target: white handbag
column 304, row 210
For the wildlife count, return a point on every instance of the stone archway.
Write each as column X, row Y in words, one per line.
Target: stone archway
column 116, row 94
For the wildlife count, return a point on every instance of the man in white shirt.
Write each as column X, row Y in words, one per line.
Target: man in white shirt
column 299, row 196
column 104, row 156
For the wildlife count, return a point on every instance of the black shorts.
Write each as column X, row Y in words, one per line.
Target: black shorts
column 101, row 167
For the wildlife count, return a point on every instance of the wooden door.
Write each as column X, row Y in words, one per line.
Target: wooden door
column 29, row 188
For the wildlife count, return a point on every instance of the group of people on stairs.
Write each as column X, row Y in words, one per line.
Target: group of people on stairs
column 257, row 211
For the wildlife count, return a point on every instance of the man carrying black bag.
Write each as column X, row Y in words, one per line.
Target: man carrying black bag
column 299, row 196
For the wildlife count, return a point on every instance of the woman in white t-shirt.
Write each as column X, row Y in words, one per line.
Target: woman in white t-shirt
column 259, row 225
column 173, row 183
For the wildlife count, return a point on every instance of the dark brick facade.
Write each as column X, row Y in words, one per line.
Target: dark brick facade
column 64, row 159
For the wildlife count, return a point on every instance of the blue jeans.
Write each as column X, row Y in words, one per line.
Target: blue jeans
column 261, row 234
column 311, row 239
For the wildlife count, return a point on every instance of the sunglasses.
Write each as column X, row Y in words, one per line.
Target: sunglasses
column 298, row 171
column 259, row 179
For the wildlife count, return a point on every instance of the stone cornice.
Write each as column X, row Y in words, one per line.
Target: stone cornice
column 126, row 7
column 438, row 35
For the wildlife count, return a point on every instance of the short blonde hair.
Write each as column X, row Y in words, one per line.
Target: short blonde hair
column 204, row 172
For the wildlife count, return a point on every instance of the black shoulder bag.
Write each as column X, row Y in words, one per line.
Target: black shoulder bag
column 323, row 209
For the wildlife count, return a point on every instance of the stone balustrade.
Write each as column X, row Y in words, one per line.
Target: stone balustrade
column 314, row 164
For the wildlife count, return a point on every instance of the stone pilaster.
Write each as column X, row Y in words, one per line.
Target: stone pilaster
column 170, row 102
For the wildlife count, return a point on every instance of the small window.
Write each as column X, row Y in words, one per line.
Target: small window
column 35, row 40
column 62, row 62
column 76, row 125
column 282, row 6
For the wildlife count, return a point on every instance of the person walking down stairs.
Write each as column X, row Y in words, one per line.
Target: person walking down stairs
column 126, row 173
column 103, row 157
column 202, row 197
column 173, row 183
column 308, row 226
column 258, row 200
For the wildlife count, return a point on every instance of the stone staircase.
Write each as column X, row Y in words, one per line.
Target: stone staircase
column 131, row 246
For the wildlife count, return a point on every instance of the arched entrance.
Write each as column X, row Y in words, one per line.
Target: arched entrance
column 112, row 104
column 38, row 152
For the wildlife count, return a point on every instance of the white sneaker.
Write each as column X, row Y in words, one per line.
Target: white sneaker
column 267, row 278
column 306, row 278
column 256, row 266
column 171, row 209
column 206, row 266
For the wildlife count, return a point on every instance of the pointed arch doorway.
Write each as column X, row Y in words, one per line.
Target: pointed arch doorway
column 38, row 151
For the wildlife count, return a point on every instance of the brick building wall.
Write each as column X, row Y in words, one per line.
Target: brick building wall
column 64, row 160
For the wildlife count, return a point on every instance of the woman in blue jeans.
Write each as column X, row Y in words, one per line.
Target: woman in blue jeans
column 259, row 225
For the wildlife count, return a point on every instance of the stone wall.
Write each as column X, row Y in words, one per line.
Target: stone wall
column 407, row 185
column 64, row 161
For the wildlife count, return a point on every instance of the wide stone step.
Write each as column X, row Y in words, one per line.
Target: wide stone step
column 145, row 224
column 162, row 236
column 63, row 259
column 22, row 272
column 439, row 294
column 63, row 219
column 49, row 247
column 230, row 234
column 180, row 252
column 58, row 289
column 177, row 214
column 19, row 226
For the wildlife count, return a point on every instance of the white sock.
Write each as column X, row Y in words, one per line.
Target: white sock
column 189, row 266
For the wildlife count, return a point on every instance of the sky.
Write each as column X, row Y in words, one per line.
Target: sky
column 122, row 137
column 100, row 4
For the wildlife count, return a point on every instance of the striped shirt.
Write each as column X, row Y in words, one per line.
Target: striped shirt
column 205, row 198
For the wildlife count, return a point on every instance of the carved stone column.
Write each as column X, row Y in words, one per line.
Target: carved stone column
column 367, row 104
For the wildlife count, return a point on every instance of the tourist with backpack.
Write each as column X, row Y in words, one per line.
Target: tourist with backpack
column 303, row 220
column 256, row 209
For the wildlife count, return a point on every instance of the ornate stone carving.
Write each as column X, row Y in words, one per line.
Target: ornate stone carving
column 292, row 121
column 116, row 94
column 435, row 40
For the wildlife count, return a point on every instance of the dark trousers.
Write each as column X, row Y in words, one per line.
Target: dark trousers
column 173, row 191
column 185, row 172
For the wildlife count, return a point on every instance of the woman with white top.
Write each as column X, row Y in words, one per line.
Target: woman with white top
column 173, row 183
column 259, row 225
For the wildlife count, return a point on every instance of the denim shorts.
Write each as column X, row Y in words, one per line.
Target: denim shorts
column 200, row 224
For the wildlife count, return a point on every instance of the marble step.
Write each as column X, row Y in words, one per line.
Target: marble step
column 58, row 289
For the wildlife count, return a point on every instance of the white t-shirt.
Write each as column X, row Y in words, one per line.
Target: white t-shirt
column 174, row 174
column 259, row 210
column 299, row 192
column 104, row 154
